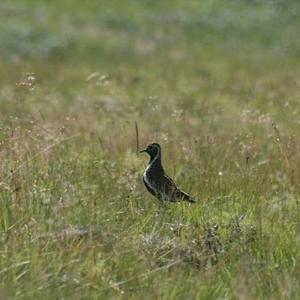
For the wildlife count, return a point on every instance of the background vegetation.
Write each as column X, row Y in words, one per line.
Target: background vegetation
column 215, row 82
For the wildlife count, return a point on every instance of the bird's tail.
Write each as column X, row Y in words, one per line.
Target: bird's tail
column 184, row 196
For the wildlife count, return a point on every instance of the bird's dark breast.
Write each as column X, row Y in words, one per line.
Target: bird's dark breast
column 149, row 188
column 151, row 180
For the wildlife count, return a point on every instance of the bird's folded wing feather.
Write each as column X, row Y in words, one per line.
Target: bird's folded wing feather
column 170, row 190
column 167, row 188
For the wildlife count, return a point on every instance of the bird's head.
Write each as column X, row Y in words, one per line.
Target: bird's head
column 152, row 149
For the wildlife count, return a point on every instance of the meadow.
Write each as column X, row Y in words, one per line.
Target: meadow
column 216, row 83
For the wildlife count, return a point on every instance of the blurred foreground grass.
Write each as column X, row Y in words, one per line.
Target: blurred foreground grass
column 216, row 83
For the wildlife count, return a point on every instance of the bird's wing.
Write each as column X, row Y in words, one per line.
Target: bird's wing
column 184, row 196
column 172, row 192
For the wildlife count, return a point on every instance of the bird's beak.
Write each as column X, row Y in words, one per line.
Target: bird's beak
column 143, row 151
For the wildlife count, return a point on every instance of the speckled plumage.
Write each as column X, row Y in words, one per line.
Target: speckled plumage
column 157, row 182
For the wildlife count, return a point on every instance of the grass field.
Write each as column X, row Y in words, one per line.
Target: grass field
column 216, row 83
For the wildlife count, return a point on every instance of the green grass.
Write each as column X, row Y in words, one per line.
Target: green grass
column 216, row 83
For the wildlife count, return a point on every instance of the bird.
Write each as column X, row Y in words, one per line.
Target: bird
column 157, row 182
